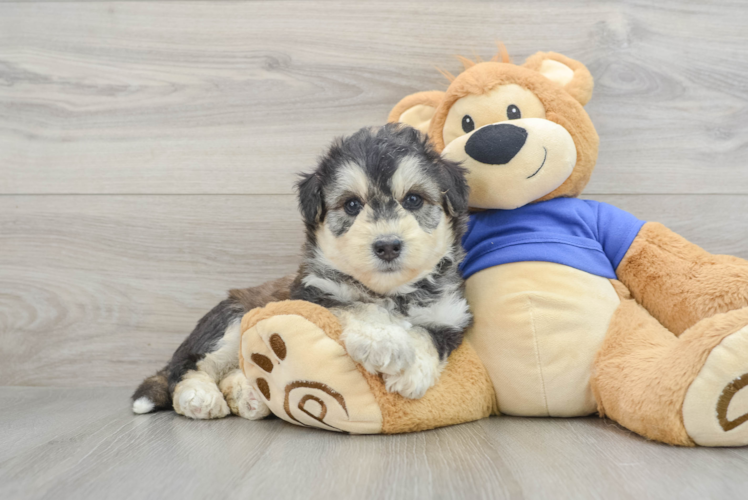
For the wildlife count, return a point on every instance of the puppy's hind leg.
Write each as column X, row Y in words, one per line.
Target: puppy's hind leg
column 197, row 396
column 241, row 397
column 206, row 357
column 189, row 382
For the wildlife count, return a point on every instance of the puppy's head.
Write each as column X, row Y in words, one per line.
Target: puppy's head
column 384, row 207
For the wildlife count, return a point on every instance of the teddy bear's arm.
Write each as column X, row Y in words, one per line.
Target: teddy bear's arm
column 679, row 282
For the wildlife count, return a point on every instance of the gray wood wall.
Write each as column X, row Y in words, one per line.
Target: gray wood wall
column 148, row 149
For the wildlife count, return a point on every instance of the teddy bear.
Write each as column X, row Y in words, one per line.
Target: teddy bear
column 579, row 307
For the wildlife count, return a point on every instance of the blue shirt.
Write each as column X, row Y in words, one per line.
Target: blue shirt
column 584, row 234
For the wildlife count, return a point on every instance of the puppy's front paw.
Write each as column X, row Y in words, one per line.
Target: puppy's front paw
column 415, row 380
column 380, row 348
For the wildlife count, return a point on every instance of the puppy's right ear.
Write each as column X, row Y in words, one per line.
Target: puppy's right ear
column 310, row 199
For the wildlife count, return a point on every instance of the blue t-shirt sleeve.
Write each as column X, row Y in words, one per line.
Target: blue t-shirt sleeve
column 616, row 230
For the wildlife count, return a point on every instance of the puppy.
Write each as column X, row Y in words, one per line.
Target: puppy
column 384, row 217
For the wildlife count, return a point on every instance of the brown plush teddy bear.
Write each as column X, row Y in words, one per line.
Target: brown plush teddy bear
column 579, row 307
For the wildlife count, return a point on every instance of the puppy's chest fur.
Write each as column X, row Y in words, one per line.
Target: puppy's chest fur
column 437, row 296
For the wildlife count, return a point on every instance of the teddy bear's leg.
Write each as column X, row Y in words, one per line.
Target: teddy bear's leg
column 292, row 355
column 680, row 283
column 680, row 390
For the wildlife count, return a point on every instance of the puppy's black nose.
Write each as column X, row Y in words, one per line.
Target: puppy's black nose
column 388, row 250
column 496, row 144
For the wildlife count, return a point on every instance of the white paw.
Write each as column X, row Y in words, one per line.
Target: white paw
column 380, row 348
column 199, row 399
column 249, row 406
column 414, row 381
column 377, row 339
column 241, row 397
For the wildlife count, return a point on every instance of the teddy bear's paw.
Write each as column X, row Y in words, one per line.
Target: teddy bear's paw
column 306, row 378
column 715, row 410
column 242, row 398
column 198, row 397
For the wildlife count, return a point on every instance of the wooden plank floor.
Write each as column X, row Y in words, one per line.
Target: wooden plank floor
column 85, row 443
column 147, row 156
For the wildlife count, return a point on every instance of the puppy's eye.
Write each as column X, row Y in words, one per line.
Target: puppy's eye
column 513, row 113
column 353, row 206
column 412, row 202
column 468, row 125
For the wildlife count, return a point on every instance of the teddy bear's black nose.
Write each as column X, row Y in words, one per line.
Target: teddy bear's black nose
column 496, row 144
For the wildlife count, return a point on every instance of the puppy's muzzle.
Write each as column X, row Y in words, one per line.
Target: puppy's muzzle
column 388, row 250
column 496, row 144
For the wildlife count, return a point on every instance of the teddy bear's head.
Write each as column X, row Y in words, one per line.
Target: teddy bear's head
column 521, row 131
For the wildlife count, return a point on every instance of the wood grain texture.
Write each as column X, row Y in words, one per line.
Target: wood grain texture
column 94, row 289
column 100, row 290
column 86, row 444
column 234, row 97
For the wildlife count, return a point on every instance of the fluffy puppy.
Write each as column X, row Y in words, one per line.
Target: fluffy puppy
column 384, row 216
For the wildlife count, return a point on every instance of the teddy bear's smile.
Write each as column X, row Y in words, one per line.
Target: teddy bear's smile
column 545, row 157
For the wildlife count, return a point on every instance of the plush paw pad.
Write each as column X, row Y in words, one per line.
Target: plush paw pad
column 732, row 406
column 715, row 410
column 306, row 378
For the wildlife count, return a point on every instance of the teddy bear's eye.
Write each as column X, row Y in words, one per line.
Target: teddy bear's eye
column 468, row 125
column 513, row 113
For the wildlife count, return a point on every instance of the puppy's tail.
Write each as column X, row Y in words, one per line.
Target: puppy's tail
column 153, row 393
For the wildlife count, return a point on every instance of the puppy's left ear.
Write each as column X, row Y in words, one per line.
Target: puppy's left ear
column 572, row 75
column 311, row 202
column 455, row 188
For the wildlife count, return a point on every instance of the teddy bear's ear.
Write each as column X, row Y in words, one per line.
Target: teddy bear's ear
column 572, row 75
column 417, row 109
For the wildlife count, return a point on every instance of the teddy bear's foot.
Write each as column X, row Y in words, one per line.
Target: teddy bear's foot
column 715, row 410
column 305, row 377
column 242, row 398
